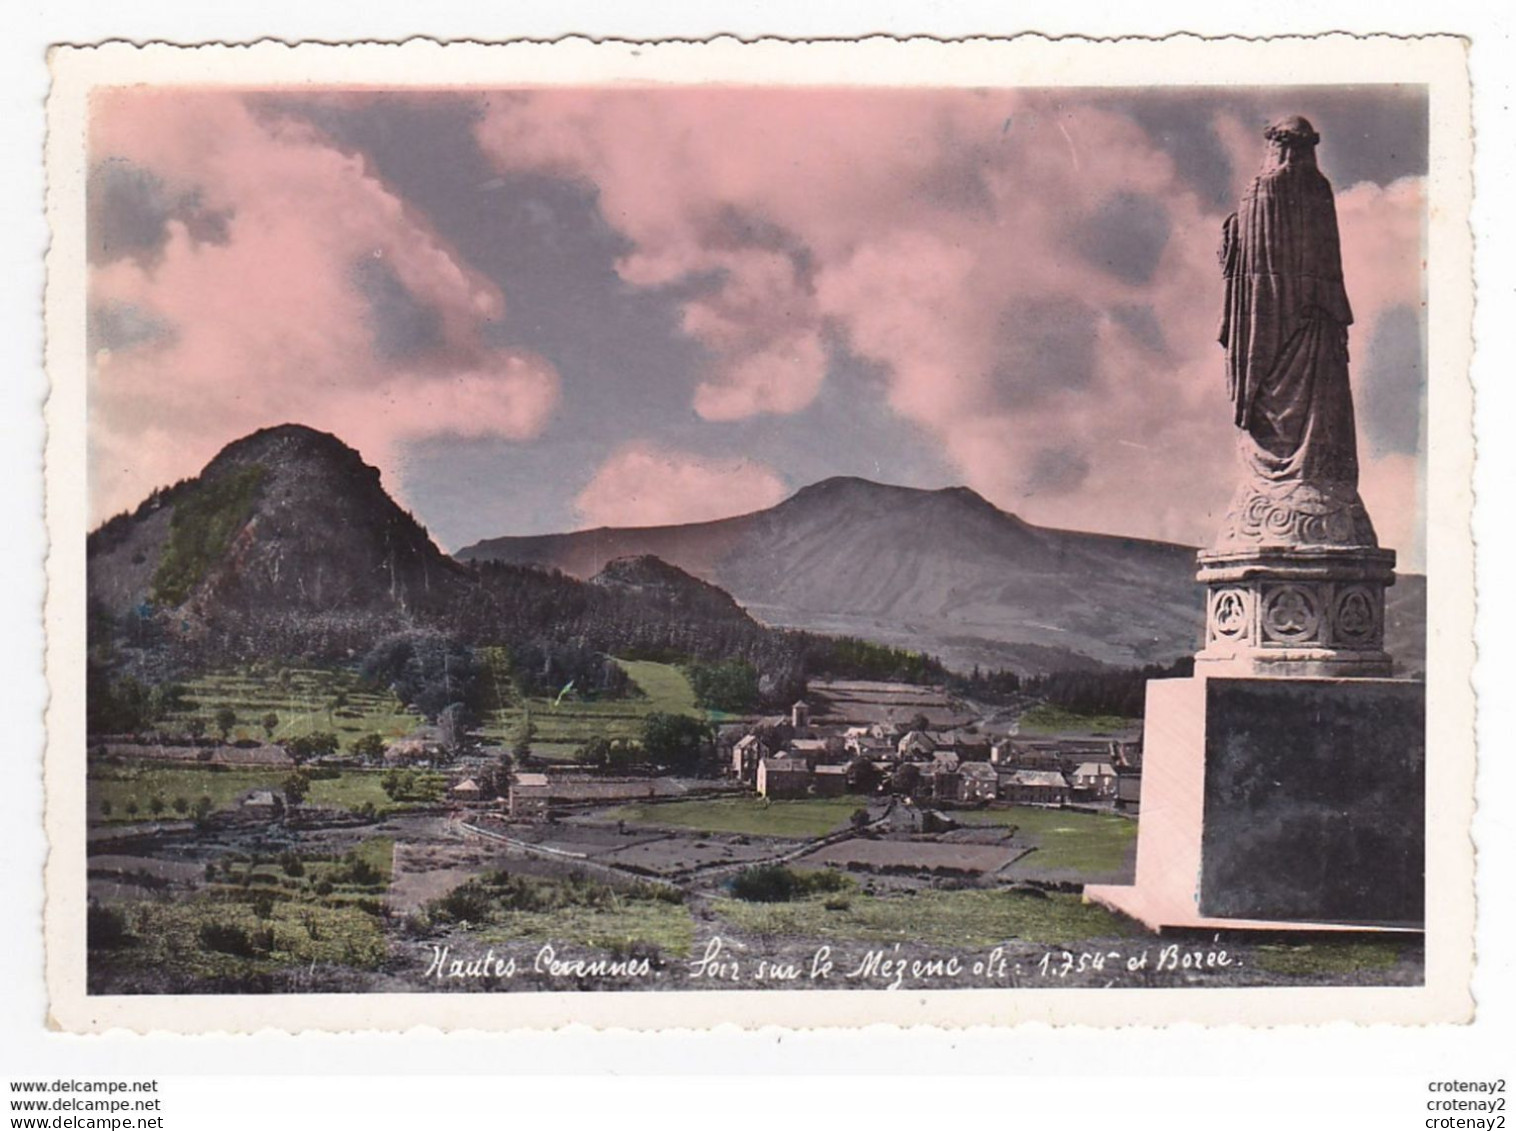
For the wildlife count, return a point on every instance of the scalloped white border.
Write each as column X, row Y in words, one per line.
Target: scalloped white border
column 1438, row 62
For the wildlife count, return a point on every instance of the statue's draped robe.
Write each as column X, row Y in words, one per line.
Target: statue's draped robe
column 1284, row 327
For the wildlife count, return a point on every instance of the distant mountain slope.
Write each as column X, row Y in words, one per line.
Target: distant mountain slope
column 944, row 571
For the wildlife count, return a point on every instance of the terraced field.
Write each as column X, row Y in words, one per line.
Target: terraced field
column 298, row 701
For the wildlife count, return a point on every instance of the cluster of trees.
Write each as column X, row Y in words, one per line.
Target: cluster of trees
column 122, row 704
column 158, row 804
column 543, row 666
column 847, row 657
column 998, row 686
column 728, row 685
column 677, row 620
column 427, row 671
column 615, row 754
column 674, row 743
column 1106, row 691
column 306, row 747
column 406, row 785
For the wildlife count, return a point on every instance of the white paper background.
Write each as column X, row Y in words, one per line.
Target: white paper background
column 1269, row 1058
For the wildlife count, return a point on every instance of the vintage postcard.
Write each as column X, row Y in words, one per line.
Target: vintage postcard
column 661, row 535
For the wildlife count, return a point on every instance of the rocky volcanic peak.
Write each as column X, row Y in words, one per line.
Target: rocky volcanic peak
column 323, row 502
column 889, row 509
column 286, row 517
column 287, row 444
column 653, row 578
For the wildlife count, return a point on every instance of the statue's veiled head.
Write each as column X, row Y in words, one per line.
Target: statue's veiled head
column 1292, row 141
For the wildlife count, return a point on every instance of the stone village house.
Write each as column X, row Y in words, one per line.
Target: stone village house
column 1034, row 787
column 1093, row 781
column 783, row 778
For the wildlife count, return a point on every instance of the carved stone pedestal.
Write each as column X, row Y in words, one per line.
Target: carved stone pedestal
column 1279, row 804
column 1314, row 611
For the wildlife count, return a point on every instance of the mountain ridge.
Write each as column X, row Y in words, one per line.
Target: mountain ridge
column 939, row 570
column 288, row 543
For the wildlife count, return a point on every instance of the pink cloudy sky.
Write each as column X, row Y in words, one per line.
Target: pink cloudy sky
column 552, row 309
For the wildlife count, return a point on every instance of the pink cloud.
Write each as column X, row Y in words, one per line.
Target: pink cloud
column 266, row 322
column 954, row 238
column 645, row 485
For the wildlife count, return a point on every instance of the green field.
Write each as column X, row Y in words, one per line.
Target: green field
column 305, row 701
column 140, row 782
column 1045, row 719
column 753, row 816
column 972, row 918
column 665, row 686
column 1065, row 839
column 563, row 726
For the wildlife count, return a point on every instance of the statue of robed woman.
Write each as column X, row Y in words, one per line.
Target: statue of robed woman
column 1285, row 330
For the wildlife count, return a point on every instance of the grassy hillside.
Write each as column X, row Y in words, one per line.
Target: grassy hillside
column 562, row 725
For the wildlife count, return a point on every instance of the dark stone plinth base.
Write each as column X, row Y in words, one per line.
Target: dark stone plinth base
column 1280, row 804
column 1306, row 611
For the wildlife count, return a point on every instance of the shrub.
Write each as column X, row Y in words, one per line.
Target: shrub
column 635, row 949
column 356, row 870
column 105, row 928
column 774, row 883
column 468, row 901
column 235, row 939
column 369, row 747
